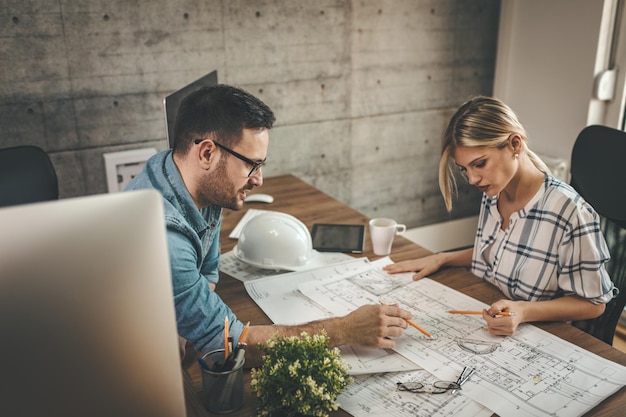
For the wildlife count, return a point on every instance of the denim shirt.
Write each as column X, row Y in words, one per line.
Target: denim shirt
column 194, row 251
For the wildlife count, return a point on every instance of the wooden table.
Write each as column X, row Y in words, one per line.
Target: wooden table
column 293, row 196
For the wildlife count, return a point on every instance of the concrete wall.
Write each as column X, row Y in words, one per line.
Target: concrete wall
column 361, row 89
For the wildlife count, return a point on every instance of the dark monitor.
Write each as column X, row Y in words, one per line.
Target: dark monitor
column 171, row 102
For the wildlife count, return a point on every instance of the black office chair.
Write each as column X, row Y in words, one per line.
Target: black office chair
column 26, row 176
column 599, row 176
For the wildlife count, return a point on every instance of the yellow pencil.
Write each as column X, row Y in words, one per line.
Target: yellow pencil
column 501, row 313
column 412, row 323
column 244, row 333
column 226, row 347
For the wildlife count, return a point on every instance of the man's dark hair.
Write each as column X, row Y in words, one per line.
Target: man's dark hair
column 220, row 109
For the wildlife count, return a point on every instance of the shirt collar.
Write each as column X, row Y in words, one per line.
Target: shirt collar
column 198, row 219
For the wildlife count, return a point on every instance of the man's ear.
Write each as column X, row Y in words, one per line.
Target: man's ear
column 206, row 154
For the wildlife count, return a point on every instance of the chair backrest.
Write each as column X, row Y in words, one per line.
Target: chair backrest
column 26, row 176
column 599, row 177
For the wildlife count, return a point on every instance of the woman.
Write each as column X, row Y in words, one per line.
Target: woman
column 537, row 240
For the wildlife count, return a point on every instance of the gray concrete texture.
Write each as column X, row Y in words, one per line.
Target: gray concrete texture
column 361, row 89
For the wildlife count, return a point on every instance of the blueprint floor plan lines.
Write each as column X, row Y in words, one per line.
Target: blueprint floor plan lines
column 377, row 396
column 229, row 264
column 279, row 294
column 378, row 282
column 532, row 373
column 368, row 361
column 478, row 347
column 242, row 271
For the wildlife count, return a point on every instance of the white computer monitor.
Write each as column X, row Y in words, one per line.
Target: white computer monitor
column 87, row 321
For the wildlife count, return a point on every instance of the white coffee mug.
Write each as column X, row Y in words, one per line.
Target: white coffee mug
column 382, row 232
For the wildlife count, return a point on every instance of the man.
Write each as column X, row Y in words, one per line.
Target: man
column 221, row 142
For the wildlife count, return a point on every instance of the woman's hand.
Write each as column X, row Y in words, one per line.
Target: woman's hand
column 566, row 308
column 504, row 316
column 422, row 266
column 430, row 264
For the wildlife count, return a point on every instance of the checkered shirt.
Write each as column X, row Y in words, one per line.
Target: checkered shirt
column 551, row 248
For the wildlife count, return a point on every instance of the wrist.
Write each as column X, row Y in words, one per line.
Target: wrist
column 523, row 311
column 442, row 259
column 339, row 329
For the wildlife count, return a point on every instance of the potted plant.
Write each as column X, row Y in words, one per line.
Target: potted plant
column 299, row 376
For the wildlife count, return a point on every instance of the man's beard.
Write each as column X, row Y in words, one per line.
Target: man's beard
column 216, row 189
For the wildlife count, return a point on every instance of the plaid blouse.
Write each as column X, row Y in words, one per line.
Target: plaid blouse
column 551, row 248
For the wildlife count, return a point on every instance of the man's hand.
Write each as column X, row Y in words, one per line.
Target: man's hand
column 373, row 325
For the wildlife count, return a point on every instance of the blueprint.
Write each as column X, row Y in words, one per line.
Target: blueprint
column 279, row 297
column 532, row 373
column 229, row 264
column 279, row 294
column 375, row 395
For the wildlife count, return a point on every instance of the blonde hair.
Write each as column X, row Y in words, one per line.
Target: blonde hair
column 480, row 122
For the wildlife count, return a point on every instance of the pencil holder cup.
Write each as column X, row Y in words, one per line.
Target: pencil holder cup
column 222, row 390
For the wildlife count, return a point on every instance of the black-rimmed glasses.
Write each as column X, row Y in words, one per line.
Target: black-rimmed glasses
column 256, row 165
column 437, row 387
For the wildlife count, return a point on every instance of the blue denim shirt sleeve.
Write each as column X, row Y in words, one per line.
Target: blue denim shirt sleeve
column 194, row 252
column 200, row 312
column 211, row 263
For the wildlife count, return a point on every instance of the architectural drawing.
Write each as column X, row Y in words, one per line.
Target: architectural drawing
column 370, row 361
column 277, row 294
column 533, row 373
column 230, row 265
column 375, row 395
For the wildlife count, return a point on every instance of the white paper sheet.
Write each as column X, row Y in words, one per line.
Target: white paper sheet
column 242, row 271
column 279, row 297
column 376, row 395
column 533, row 373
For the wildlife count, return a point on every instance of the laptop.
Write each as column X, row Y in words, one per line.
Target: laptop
column 87, row 318
column 172, row 102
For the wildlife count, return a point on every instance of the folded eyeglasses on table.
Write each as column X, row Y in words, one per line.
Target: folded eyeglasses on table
column 437, row 387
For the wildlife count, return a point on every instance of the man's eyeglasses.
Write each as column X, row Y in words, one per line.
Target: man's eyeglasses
column 437, row 387
column 256, row 165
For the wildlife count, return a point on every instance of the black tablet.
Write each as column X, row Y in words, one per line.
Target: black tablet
column 346, row 238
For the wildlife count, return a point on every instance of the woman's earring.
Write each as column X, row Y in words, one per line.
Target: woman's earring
column 516, row 156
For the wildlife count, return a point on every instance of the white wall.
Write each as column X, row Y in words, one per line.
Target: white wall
column 545, row 67
column 455, row 234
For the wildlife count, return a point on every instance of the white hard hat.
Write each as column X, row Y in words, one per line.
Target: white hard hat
column 275, row 240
